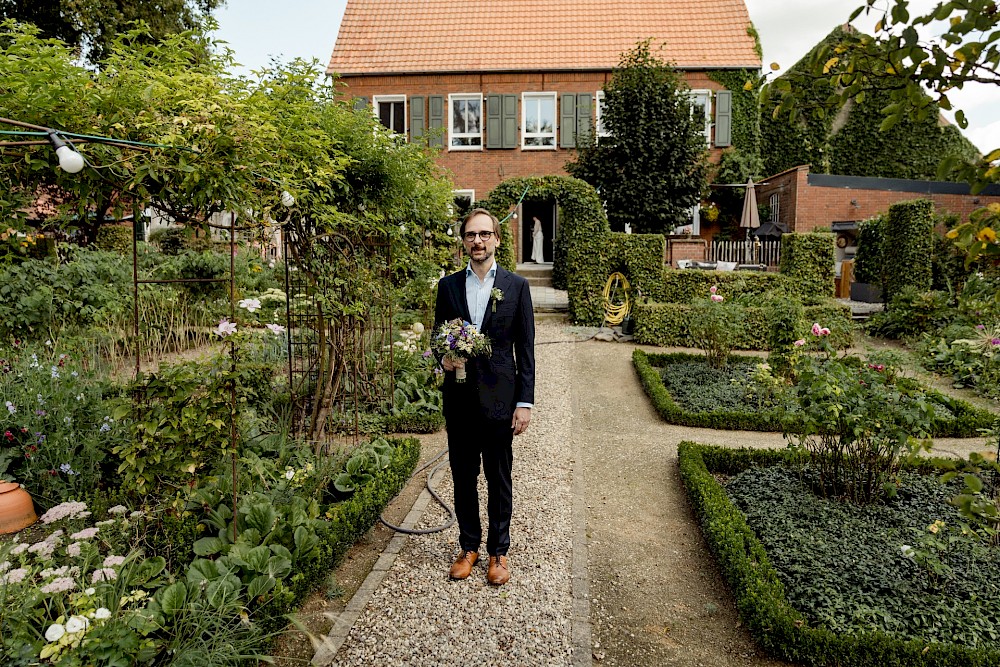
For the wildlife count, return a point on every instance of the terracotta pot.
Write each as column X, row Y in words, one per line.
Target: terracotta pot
column 17, row 511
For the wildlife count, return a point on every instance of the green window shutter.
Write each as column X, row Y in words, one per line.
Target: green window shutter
column 418, row 118
column 494, row 121
column 360, row 103
column 435, row 119
column 508, row 115
column 584, row 120
column 723, row 118
column 567, row 120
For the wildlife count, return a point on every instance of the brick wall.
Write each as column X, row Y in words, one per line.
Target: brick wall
column 686, row 249
column 482, row 170
column 807, row 207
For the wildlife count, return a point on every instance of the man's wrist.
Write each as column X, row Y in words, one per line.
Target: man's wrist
column 524, row 405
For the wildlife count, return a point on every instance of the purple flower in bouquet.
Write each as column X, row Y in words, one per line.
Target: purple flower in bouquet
column 459, row 340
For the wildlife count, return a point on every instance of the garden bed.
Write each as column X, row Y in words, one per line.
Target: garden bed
column 702, row 397
column 821, row 582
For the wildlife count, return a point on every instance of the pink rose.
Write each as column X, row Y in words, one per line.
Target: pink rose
column 815, row 329
column 716, row 298
column 824, row 332
column 800, row 342
column 713, row 289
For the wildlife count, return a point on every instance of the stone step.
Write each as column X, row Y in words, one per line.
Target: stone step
column 539, row 281
column 533, row 269
column 552, row 317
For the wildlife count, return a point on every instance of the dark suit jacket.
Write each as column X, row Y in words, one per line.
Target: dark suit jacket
column 507, row 377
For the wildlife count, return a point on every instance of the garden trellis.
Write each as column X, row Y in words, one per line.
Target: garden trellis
column 339, row 312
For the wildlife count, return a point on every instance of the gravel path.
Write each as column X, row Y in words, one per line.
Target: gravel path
column 598, row 509
column 417, row 616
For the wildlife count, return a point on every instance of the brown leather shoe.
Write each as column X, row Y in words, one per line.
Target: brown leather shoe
column 462, row 567
column 499, row 573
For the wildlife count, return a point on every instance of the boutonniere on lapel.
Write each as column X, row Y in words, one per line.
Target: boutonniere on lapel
column 497, row 295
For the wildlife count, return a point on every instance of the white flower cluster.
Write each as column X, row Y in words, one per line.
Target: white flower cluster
column 69, row 510
column 410, row 338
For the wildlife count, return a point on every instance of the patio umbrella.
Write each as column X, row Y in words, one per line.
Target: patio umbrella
column 751, row 217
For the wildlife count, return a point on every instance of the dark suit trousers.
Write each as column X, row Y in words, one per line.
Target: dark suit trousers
column 474, row 439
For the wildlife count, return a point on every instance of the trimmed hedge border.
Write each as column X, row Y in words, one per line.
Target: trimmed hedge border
column 760, row 597
column 666, row 324
column 809, row 260
column 353, row 517
column 672, row 413
column 967, row 423
column 427, row 423
column 686, row 285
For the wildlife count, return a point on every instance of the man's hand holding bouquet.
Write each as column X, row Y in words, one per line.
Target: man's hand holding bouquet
column 457, row 341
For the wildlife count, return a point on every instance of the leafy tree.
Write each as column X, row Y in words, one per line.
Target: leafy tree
column 652, row 167
column 210, row 142
column 92, row 25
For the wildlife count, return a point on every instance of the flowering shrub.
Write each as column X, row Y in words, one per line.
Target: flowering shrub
column 854, row 421
column 55, row 426
column 71, row 594
column 714, row 325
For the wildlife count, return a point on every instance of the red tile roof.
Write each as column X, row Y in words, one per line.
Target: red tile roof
column 421, row 36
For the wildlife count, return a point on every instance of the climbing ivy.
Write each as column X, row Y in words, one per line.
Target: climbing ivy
column 850, row 142
column 579, row 250
column 744, row 84
column 743, row 159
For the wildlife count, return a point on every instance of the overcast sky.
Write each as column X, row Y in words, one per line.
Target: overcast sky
column 260, row 29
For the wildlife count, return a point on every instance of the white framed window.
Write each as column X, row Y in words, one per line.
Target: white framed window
column 774, row 202
column 599, row 115
column 391, row 111
column 701, row 107
column 538, row 121
column 465, row 127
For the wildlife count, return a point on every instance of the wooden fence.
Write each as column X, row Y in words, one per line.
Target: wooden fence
column 768, row 252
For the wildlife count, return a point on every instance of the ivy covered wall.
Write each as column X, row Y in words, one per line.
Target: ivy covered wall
column 849, row 143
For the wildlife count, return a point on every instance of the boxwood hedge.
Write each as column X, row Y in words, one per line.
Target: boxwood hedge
column 760, row 596
column 666, row 324
column 967, row 420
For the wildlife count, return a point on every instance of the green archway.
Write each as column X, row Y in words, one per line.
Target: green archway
column 579, row 252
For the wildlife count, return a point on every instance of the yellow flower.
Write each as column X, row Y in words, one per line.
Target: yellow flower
column 987, row 234
column 994, row 207
column 933, row 528
column 953, row 234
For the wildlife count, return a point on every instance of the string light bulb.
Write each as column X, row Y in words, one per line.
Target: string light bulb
column 69, row 160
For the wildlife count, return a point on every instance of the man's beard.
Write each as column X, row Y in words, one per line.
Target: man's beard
column 487, row 257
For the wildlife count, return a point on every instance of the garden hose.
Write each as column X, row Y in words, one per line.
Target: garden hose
column 430, row 487
column 615, row 313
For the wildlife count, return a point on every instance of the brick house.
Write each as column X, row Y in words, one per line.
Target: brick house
column 506, row 88
column 799, row 201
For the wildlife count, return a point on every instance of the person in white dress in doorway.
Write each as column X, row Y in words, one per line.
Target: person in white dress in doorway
column 537, row 241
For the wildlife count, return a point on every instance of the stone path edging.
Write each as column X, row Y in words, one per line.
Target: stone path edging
column 345, row 620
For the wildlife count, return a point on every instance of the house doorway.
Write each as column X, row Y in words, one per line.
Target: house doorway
column 545, row 212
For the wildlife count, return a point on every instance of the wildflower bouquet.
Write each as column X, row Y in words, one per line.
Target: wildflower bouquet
column 459, row 340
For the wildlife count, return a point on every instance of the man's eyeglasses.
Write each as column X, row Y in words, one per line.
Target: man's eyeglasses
column 471, row 236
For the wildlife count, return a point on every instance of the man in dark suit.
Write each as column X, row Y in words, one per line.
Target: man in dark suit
column 484, row 413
